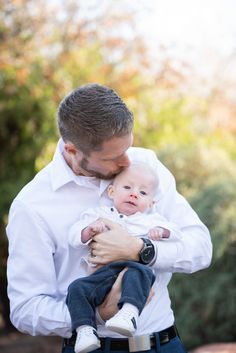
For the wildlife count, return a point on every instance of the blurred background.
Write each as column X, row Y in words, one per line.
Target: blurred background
column 174, row 64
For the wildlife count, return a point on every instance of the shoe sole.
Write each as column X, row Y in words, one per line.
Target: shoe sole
column 121, row 330
column 90, row 348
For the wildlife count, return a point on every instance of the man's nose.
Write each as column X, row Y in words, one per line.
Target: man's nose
column 124, row 161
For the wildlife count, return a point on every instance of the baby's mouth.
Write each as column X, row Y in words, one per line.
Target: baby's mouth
column 131, row 203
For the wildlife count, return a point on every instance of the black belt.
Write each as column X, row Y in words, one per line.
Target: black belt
column 121, row 344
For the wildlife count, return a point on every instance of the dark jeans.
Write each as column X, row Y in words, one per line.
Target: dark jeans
column 85, row 294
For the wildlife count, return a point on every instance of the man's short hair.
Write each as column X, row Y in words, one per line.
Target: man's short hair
column 92, row 114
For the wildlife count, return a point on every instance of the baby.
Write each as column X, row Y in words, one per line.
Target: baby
column 133, row 193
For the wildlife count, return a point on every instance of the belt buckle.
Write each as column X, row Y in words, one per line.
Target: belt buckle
column 139, row 343
column 165, row 338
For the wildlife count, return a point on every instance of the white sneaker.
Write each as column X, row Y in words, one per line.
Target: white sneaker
column 124, row 322
column 86, row 340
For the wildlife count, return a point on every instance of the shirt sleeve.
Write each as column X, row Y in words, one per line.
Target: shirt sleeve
column 87, row 217
column 191, row 250
column 32, row 283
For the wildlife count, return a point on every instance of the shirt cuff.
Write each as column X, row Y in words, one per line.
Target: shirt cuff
column 155, row 256
column 166, row 255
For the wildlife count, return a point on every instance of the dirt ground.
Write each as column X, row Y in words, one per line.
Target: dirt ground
column 217, row 348
column 19, row 343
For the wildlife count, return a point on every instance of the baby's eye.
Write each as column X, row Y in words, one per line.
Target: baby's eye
column 143, row 193
column 126, row 187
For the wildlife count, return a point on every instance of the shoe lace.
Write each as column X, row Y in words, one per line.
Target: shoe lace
column 127, row 315
column 88, row 331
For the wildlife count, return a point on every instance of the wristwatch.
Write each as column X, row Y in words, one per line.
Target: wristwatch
column 147, row 252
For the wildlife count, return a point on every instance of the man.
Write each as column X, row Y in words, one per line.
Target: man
column 96, row 130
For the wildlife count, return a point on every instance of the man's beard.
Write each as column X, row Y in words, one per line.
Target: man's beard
column 84, row 165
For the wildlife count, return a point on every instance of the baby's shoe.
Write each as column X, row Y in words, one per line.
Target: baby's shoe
column 86, row 340
column 124, row 322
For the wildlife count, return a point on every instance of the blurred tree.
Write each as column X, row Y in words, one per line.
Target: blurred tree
column 196, row 164
column 206, row 174
column 204, row 302
column 21, row 139
column 43, row 57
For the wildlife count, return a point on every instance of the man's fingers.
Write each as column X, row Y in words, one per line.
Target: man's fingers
column 118, row 281
column 96, row 260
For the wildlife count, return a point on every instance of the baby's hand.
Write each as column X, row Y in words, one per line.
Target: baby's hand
column 97, row 227
column 158, row 233
column 93, row 229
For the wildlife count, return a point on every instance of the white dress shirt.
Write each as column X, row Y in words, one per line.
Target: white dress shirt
column 42, row 264
column 137, row 224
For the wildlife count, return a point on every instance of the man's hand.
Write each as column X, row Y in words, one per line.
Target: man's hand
column 109, row 307
column 114, row 245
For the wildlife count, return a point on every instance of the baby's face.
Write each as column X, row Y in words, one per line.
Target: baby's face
column 133, row 191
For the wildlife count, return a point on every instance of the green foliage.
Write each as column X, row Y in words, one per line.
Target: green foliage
column 160, row 123
column 204, row 302
column 27, row 121
column 26, row 107
column 196, row 164
column 216, row 207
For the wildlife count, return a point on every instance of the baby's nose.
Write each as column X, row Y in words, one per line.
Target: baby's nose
column 134, row 196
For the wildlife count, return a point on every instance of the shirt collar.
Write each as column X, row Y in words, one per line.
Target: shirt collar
column 61, row 174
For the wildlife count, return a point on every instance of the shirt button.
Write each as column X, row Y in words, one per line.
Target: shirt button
column 121, row 216
column 112, row 209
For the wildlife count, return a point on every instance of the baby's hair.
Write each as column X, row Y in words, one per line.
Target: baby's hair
column 144, row 167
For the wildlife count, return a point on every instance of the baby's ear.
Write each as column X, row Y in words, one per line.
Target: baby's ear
column 110, row 191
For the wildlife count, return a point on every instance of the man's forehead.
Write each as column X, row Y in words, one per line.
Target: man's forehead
column 115, row 147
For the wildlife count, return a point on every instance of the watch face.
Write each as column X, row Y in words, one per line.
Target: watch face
column 147, row 254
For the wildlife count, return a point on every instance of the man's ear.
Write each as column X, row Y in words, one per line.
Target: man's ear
column 71, row 149
column 110, row 191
